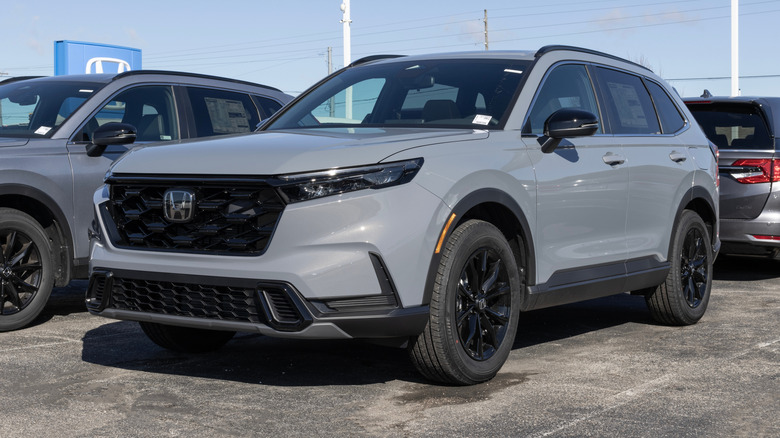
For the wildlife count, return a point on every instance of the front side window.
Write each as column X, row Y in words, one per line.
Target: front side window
column 733, row 125
column 628, row 103
column 567, row 86
column 150, row 109
column 432, row 93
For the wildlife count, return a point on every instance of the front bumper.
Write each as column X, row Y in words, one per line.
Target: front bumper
column 270, row 308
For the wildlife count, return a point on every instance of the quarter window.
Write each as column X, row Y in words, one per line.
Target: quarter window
column 668, row 114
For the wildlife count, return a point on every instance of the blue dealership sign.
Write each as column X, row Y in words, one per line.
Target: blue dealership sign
column 75, row 57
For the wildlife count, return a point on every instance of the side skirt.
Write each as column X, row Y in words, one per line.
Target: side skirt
column 573, row 285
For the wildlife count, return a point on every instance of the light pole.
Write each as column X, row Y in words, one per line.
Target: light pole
column 735, row 47
column 346, row 21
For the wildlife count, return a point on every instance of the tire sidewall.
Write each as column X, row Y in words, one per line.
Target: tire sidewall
column 474, row 236
column 690, row 221
column 15, row 220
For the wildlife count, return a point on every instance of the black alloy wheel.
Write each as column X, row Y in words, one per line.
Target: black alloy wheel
column 694, row 268
column 20, row 278
column 483, row 305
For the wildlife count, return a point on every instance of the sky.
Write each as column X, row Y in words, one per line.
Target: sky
column 285, row 44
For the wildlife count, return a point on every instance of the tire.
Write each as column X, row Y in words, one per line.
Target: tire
column 26, row 270
column 471, row 329
column 186, row 339
column 682, row 299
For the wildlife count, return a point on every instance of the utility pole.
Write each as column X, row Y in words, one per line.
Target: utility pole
column 486, row 32
column 332, row 102
column 735, row 47
column 346, row 22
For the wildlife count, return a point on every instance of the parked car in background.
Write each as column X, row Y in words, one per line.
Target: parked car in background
column 424, row 201
column 744, row 130
column 58, row 136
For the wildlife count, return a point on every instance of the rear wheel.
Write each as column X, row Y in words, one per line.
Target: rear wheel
column 186, row 339
column 474, row 308
column 682, row 299
column 26, row 270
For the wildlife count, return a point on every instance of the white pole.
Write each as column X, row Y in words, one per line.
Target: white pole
column 346, row 21
column 735, row 47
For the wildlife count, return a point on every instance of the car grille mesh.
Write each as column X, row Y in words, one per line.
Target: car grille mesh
column 184, row 299
column 233, row 219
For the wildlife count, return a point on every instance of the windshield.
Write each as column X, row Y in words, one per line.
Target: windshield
column 33, row 108
column 473, row 93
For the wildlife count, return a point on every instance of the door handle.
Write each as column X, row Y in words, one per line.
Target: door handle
column 678, row 157
column 613, row 159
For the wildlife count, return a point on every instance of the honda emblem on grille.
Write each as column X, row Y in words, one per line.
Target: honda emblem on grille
column 179, row 205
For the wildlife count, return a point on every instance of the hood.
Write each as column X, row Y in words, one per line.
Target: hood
column 280, row 152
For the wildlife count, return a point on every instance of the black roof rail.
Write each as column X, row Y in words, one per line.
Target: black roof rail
column 193, row 75
column 552, row 48
column 18, row 78
column 373, row 58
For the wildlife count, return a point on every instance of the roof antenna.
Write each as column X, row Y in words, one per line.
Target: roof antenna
column 706, row 93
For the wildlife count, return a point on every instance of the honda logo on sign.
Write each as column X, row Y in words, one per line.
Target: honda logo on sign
column 122, row 65
column 179, row 205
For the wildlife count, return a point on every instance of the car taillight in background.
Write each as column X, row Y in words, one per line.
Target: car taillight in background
column 755, row 171
column 715, row 153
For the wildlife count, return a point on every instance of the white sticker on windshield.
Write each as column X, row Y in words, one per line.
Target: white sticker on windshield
column 43, row 130
column 481, row 119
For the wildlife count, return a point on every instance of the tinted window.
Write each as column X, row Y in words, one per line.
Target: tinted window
column 150, row 109
column 733, row 126
column 269, row 106
column 33, row 108
column 567, row 86
column 451, row 93
column 628, row 103
column 219, row 112
column 668, row 114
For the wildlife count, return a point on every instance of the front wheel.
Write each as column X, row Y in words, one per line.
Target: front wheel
column 186, row 339
column 682, row 299
column 27, row 269
column 474, row 308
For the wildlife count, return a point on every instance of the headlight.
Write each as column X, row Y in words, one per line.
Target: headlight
column 305, row 186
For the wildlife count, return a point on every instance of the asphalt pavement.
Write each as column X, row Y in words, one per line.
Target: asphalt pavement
column 598, row 368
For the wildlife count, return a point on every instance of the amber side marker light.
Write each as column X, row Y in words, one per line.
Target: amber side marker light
column 444, row 233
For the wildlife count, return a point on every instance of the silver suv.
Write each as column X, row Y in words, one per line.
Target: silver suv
column 425, row 201
column 58, row 136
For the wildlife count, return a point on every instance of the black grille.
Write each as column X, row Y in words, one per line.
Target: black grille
column 184, row 299
column 230, row 217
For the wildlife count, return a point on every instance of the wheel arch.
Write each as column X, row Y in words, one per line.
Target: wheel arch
column 499, row 209
column 46, row 212
column 698, row 199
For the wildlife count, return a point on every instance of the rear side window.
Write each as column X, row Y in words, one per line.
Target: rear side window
column 219, row 112
column 733, row 126
column 628, row 103
column 269, row 106
column 668, row 114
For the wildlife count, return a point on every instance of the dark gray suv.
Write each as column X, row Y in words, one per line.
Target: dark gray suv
column 744, row 129
column 58, row 136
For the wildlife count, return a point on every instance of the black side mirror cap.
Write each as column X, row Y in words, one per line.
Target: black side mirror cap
column 110, row 134
column 567, row 123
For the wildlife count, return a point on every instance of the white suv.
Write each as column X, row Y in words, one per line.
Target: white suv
column 422, row 200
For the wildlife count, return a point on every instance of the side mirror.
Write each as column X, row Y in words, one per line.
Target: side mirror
column 567, row 123
column 110, row 134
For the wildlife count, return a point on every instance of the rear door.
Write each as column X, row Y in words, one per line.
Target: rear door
column 748, row 164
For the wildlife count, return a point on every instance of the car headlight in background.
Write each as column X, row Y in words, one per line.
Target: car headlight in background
column 312, row 185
